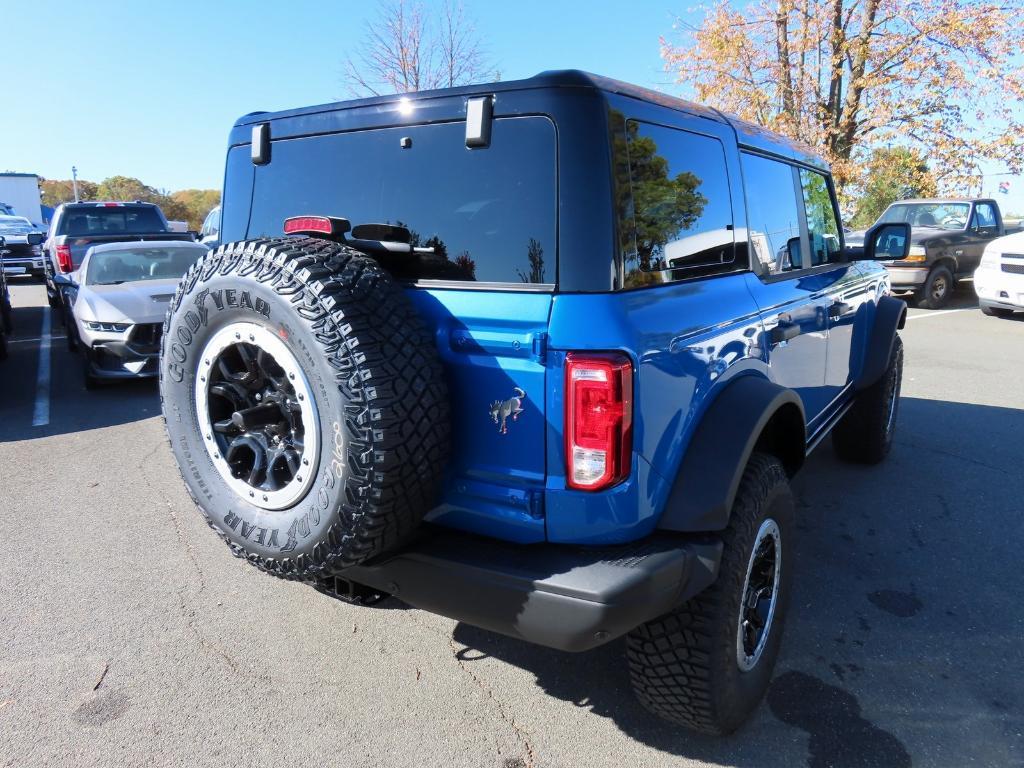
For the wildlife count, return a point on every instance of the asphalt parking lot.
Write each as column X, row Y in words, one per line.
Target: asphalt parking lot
column 129, row 635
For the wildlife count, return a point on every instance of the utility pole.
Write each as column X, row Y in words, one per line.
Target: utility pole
column 74, row 181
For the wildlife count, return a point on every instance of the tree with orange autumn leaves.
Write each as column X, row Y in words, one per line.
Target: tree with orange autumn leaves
column 941, row 78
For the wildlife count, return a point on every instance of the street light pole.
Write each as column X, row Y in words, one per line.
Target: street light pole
column 74, row 181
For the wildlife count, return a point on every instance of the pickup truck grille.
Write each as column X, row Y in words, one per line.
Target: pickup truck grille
column 1016, row 269
column 145, row 337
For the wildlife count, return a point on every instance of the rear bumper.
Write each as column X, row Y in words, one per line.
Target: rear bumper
column 560, row 596
column 32, row 265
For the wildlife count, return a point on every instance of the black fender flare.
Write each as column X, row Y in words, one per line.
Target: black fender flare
column 747, row 410
column 890, row 316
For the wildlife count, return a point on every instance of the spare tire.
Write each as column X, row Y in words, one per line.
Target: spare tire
column 304, row 402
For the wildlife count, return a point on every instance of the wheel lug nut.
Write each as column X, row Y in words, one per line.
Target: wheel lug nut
column 264, row 497
column 251, row 493
column 251, row 337
column 298, row 478
column 305, row 461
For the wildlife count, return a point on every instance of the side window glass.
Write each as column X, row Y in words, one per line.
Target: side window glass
column 822, row 227
column 773, row 215
column 679, row 224
column 984, row 216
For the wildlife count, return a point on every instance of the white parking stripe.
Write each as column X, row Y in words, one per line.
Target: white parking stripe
column 41, row 414
column 936, row 314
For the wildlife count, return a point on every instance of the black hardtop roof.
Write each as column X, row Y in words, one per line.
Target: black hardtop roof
column 747, row 134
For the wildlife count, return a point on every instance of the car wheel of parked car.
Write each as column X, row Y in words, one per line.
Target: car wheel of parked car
column 71, row 330
column 864, row 435
column 6, row 321
column 708, row 664
column 89, row 380
column 305, row 404
column 937, row 288
column 988, row 309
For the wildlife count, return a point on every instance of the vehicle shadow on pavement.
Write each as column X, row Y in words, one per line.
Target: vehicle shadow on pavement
column 65, row 403
column 904, row 620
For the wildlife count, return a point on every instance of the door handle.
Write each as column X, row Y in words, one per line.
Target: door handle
column 838, row 309
column 784, row 331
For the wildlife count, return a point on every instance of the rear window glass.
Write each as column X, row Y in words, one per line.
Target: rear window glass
column 123, row 266
column 488, row 213
column 111, row 221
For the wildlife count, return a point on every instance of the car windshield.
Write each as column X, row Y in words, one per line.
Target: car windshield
column 937, row 215
column 97, row 220
column 16, row 227
column 122, row 266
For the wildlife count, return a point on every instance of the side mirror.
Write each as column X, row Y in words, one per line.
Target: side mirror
column 793, row 250
column 887, row 242
column 34, row 238
column 63, row 280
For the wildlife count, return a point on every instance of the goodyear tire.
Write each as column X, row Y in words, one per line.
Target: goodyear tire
column 304, row 403
column 707, row 664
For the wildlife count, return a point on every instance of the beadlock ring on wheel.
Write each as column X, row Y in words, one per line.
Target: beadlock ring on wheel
column 258, row 417
column 760, row 595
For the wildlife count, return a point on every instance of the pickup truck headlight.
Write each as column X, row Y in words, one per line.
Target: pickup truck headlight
column 92, row 325
column 917, row 253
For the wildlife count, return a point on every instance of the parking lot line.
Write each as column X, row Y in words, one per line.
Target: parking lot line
column 41, row 413
column 942, row 312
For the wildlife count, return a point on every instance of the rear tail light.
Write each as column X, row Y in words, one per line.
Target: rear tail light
column 64, row 258
column 598, row 419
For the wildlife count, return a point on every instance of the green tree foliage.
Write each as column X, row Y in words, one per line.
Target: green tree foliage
column 57, row 191
column 191, row 205
column 535, row 256
column 892, row 174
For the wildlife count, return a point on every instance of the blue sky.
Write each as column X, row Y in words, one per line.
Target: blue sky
column 150, row 89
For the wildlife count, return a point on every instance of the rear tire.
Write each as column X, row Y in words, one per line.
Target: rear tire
column 937, row 289
column 694, row 666
column 864, row 435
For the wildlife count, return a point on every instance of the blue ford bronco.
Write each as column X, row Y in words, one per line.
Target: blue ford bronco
column 541, row 356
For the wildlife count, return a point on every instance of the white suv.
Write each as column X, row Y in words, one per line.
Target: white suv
column 999, row 279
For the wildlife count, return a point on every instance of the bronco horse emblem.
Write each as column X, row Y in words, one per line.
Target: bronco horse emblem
column 502, row 409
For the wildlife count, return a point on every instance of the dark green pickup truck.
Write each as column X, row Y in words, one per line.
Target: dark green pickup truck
column 948, row 237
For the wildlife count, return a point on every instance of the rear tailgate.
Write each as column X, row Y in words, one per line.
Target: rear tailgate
column 81, row 244
column 493, row 345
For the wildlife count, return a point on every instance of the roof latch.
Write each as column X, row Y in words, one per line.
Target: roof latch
column 478, row 121
column 261, row 144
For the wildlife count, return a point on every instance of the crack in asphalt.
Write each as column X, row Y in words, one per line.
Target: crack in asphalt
column 188, row 613
column 952, row 455
column 521, row 733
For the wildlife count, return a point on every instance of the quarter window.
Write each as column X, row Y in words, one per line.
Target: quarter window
column 676, row 218
column 773, row 214
column 822, row 226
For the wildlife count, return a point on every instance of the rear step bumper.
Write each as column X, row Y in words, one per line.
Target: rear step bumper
column 565, row 597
